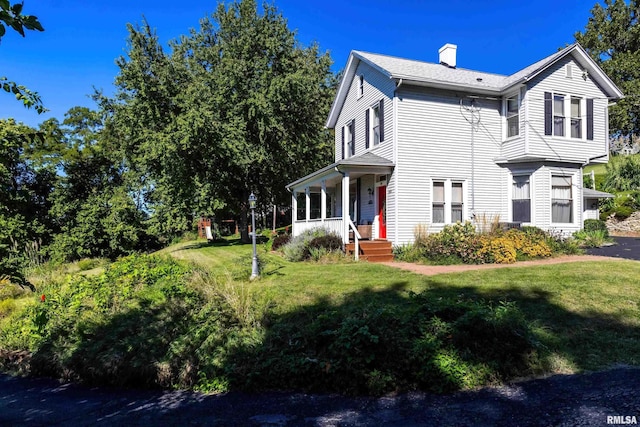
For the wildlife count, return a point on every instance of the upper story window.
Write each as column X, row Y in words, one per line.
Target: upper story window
column 349, row 140
column 374, row 124
column 360, row 85
column 568, row 116
column 513, row 116
column 558, row 115
column 576, row 117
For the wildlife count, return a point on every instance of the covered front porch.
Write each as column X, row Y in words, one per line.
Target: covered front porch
column 346, row 198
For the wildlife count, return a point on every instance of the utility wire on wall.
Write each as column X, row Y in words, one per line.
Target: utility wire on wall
column 473, row 113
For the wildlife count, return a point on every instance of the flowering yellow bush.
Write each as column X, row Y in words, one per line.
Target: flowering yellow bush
column 528, row 244
column 500, row 250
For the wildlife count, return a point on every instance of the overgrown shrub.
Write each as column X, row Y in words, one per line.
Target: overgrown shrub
column 460, row 243
column 279, row 241
column 622, row 205
column 596, row 225
column 299, row 248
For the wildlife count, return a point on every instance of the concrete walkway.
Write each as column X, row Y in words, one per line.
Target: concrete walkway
column 432, row 270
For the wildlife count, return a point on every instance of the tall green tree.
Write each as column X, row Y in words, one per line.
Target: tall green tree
column 25, row 185
column 612, row 39
column 235, row 106
column 92, row 211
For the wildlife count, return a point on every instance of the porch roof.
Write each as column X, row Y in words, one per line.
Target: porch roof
column 588, row 193
column 366, row 163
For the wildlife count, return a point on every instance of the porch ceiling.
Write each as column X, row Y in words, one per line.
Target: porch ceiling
column 365, row 164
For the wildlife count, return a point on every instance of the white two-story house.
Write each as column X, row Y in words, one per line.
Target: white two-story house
column 432, row 144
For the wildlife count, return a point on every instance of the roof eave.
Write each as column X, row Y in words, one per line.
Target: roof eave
column 438, row 84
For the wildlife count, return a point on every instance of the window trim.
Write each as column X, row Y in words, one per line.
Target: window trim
column 447, row 204
column 505, row 107
column 586, row 119
column 360, row 86
column 348, row 132
column 372, row 125
column 529, row 175
column 572, row 199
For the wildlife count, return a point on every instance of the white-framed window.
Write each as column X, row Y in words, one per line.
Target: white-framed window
column 521, row 198
column 512, row 113
column 360, row 85
column 349, row 139
column 568, row 116
column 375, row 125
column 576, row 117
column 438, row 203
column 448, row 200
column 561, row 199
column 558, row 115
column 456, row 201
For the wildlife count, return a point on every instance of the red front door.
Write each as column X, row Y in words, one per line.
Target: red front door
column 382, row 212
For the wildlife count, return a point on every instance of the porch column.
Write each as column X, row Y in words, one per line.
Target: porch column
column 323, row 201
column 307, row 199
column 294, row 212
column 345, row 207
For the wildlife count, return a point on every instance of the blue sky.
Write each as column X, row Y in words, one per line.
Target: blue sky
column 83, row 38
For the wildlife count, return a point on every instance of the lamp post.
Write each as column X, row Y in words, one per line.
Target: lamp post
column 254, row 263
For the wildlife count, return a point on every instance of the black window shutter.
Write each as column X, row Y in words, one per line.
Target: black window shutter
column 590, row 119
column 381, row 114
column 548, row 114
column 353, row 137
column 342, row 145
column 366, row 129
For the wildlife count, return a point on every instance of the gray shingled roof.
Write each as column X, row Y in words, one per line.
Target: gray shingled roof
column 595, row 194
column 442, row 76
column 367, row 159
column 409, row 69
column 427, row 72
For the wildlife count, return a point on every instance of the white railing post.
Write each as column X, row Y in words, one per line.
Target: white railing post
column 345, row 207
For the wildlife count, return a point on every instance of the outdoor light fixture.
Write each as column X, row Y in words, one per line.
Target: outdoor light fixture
column 254, row 263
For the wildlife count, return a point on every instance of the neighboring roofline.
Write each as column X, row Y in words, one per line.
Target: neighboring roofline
column 594, row 70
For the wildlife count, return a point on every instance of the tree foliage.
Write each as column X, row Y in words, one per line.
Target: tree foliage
column 234, row 107
column 12, row 16
column 612, row 39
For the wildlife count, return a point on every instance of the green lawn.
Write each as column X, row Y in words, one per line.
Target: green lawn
column 342, row 326
column 585, row 314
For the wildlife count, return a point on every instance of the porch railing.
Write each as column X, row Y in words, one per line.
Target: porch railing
column 333, row 225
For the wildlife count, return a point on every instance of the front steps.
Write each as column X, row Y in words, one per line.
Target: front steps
column 372, row 250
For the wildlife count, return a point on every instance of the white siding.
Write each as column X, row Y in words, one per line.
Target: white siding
column 376, row 87
column 434, row 142
column 555, row 80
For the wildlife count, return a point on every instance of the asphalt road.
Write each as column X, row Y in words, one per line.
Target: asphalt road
column 625, row 247
column 576, row 400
